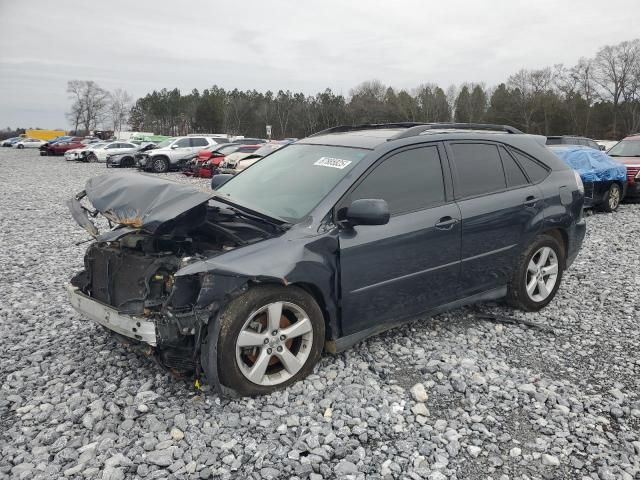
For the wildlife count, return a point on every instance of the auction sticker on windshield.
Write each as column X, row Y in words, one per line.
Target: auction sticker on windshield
column 332, row 162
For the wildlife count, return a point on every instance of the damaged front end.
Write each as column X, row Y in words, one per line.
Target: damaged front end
column 136, row 279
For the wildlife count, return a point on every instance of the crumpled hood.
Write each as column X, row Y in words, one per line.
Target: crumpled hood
column 135, row 200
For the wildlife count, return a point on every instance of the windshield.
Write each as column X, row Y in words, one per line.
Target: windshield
column 291, row 181
column 165, row 143
column 626, row 148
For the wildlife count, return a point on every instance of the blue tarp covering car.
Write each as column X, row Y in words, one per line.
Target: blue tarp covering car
column 592, row 165
column 605, row 180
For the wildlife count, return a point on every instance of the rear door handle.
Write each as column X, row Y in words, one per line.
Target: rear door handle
column 446, row 223
column 530, row 201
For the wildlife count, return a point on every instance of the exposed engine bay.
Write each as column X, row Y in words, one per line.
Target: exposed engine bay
column 134, row 268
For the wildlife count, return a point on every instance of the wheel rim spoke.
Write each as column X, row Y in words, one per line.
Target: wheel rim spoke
column 289, row 361
column 250, row 339
column 299, row 328
column 542, row 288
column 533, row 267
column 551, row 269
column 259, row 368
column 531, row 286
column 274, row 313
column 544, row 256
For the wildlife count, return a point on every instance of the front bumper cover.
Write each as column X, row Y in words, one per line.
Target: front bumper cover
column 136, row 328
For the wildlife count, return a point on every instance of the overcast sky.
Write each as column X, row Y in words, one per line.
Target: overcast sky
column 297, row 45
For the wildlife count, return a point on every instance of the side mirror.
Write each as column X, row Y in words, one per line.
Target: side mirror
column 220, row 179
column 368, row 211
column 174, row 146
column 602, row 147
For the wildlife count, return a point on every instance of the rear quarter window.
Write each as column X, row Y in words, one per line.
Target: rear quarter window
column 534, row 170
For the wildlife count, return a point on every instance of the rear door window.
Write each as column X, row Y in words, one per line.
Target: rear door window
column 409, row 180
column 199, row 142
column 478, row 169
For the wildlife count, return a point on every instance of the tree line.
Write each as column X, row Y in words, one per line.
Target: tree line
column 599, row 97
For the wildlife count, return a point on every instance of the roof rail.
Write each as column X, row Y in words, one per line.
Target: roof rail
column 418, row 129
column 366, row 126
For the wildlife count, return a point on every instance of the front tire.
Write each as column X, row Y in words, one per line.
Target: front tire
column 160, row 165
column 612, row 199
column 91, row 158
column 538, row 274
column 270, row 337
column 20, row 147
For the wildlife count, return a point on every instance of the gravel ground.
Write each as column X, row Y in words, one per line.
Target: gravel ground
column 453, row 397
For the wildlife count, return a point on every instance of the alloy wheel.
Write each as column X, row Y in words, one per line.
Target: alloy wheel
column 614, row 197
column 274, row 343
column 159, row 165
column 542, row 274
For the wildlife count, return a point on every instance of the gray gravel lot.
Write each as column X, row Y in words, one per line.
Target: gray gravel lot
column 452, row 397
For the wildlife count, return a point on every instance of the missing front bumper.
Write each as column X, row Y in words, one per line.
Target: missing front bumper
column 130, row 326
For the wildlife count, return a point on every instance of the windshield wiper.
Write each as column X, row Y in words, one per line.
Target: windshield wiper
column 254, row 214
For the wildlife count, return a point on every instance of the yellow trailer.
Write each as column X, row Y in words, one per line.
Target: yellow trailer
column 44, row 134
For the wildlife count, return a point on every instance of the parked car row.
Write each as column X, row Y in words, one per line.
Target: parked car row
column 25, row 143
column 174, row 153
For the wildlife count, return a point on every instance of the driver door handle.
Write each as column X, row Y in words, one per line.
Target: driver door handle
column 446, row 223
column 530, row 201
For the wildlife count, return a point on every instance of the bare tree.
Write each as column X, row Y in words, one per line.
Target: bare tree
column 74, row 89
column 120, row 103
column 90, row 104
column 613, row 70
column 631, row 91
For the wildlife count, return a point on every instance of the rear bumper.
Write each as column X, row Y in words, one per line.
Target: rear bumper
column 137, row 328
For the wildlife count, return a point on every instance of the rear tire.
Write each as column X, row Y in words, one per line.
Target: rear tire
column 299, row 336
column 612, row 199
column 126, row 162
column 538, row 274
column 160, row 165
column 20, row 147
column 91, row 158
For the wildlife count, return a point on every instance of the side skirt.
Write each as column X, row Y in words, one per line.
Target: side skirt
column 343, row 343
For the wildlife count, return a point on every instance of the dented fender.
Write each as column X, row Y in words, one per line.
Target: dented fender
column 310, row 264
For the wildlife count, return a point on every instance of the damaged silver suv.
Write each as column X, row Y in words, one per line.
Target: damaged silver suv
column 324, row 242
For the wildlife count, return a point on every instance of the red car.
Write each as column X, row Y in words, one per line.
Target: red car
column 210, row 158
column 61, row 147
column 627, row 152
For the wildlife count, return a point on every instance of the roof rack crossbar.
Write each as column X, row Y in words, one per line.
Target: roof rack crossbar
column 418, row 129
column 366, row 126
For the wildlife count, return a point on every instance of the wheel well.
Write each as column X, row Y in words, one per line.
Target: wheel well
column 314, row 291
column 561, row 236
